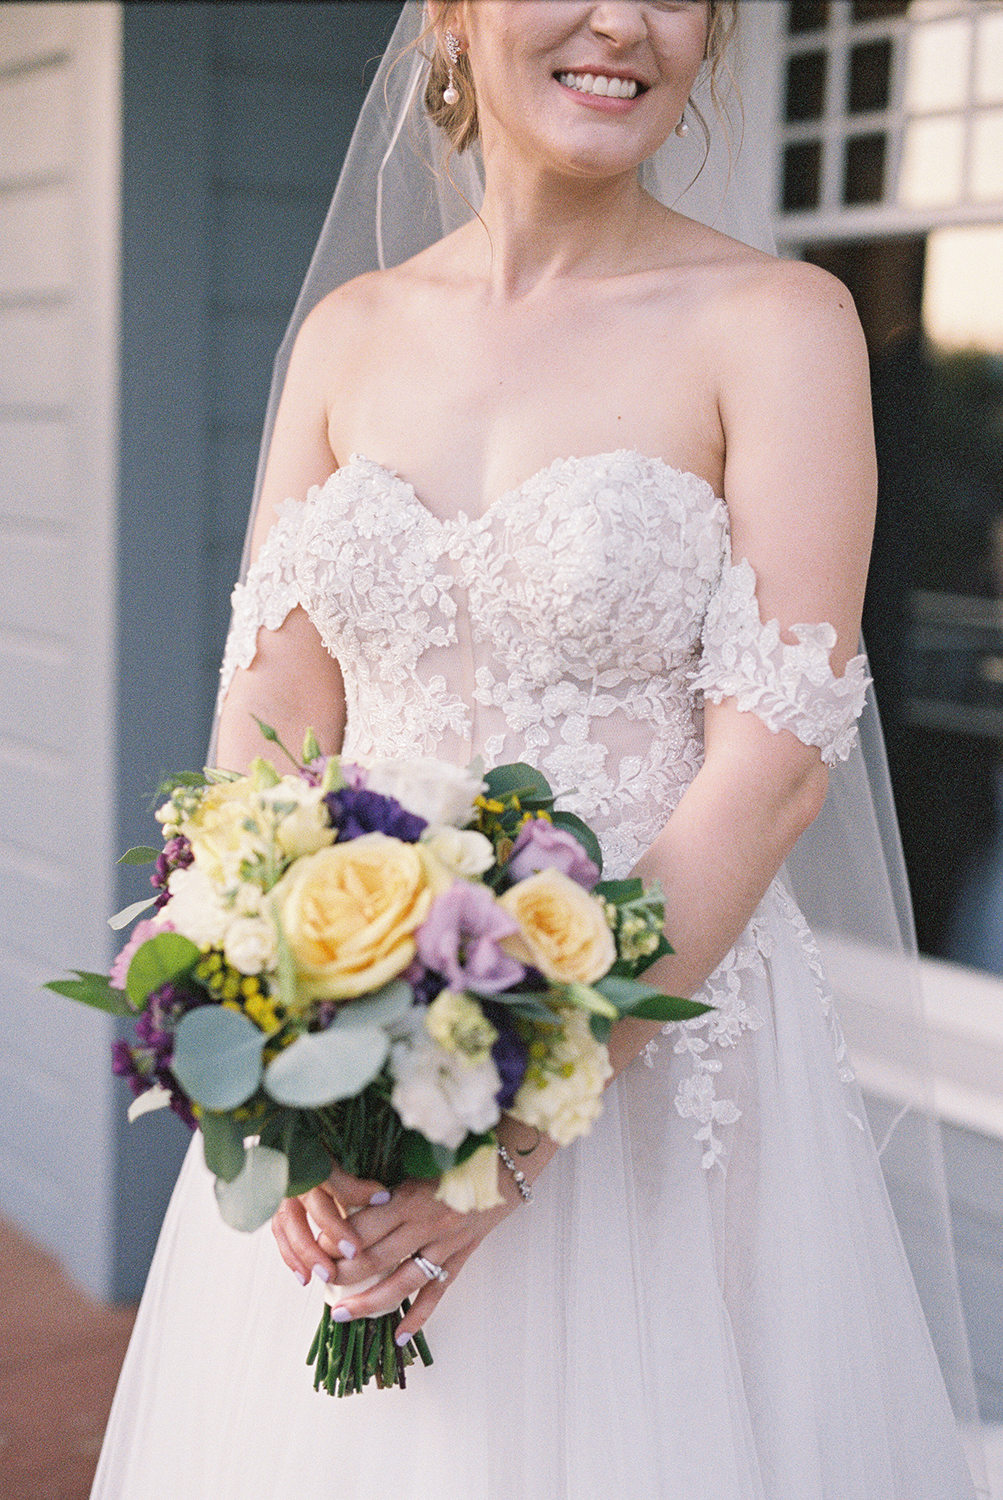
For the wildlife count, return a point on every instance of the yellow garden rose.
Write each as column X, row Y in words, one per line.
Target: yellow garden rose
column 349, row 913
column 563, row 930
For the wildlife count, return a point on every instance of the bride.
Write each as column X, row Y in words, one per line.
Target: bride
column 637, row 455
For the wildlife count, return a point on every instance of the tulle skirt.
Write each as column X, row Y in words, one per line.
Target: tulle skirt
column 707, row 1300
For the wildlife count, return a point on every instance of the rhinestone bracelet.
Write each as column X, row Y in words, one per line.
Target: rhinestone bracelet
column 525, row 1191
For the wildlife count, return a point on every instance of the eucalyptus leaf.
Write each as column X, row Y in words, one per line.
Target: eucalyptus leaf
column 324, row 1066
column 572, row 824
column 378, row 1009
column 93, row 989
column 217, row 1057
column 293, row 1132
column 129, row 913
column 256, row 1192
column 156, row 962
column 143, row 854
column 223, row 1143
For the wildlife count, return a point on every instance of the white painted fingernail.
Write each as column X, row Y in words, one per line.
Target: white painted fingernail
column 341, row 1315
column 400, row 1339
column 321, row 1272
column 300, row 1277
column 378, row 1199
column 347, row 1250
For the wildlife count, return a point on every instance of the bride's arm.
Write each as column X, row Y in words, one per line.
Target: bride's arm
column 293, row 683
column 800, row 485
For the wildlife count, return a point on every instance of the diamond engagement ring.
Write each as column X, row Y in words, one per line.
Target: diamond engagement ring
column 431, row 1270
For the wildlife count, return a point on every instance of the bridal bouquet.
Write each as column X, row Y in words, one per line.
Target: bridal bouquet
column 369, row 964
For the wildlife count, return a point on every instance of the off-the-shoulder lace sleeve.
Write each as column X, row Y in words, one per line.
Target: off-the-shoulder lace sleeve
column 788, row 686
column 268, row 594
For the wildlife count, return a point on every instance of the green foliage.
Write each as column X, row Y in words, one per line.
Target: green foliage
column 295, row 1132
column 321, row 1067
column 223, row 1143
column 92, row 989
column 256, row 1192
column 161, row 959
column 143, row 854
column 580, row 831
column 217, row 1057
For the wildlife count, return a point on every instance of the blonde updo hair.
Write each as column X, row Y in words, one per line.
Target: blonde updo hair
column 459, row 121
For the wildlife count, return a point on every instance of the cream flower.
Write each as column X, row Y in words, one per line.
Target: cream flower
column 473, row 1185
column 300, row 818
column 459, row 1025
column 195, row 908
column 250, row 945
column 563, row 929
column 440, row 1093
column 224, row 831
column 349, row 913
column 562, row 1095
column 463, row 851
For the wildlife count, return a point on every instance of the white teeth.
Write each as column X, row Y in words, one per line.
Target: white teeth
column 597, row 83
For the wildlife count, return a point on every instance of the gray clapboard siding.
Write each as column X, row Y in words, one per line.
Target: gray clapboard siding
column 59, row 92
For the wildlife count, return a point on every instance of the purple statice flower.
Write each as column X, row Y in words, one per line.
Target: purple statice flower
column 541, row 846
column 509, row 1054
column 147, row 1061
column 355, row 811
column 459, row 939
column 175, row 855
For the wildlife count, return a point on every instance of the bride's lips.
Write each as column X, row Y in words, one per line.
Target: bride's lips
column 583, row 83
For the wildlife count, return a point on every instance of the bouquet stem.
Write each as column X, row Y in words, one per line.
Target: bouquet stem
column 363, row 1135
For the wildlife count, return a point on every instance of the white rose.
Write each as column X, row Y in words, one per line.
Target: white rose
column 250, row 945
column 432, row 789
column 439, row 1093
column 195, row 909
column 463, row 851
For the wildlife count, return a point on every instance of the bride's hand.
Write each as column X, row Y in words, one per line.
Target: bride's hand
column 383, row 1238
column 332, row 1207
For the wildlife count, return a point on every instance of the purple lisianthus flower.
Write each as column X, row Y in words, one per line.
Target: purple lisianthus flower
column 175, row 855
column 424, row 982
column 355, row 811
column 459, row 939
column 509, row 1053
column 541, row 846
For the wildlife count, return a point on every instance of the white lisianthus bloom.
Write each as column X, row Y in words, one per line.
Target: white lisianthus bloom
column 225, row 831
column 306, row 827
column 473, row 1185
column 440, row 1093
column 562, row 1094
column 195, row 908
column 462, row 851
column 251, row 945
column 432, row 789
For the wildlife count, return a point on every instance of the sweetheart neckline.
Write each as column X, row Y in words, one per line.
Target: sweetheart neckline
column 462, row 519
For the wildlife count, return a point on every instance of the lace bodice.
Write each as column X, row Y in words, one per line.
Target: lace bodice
column 577, row 625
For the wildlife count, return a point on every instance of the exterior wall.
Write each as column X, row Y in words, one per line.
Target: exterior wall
column 59, row 183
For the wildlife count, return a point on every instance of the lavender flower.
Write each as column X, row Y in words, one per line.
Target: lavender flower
column 459, row 938
column 541, row 846
column 509, row 1053
column 355, row 811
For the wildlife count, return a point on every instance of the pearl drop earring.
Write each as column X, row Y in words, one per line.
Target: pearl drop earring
column 450, row 94
column 682, row 129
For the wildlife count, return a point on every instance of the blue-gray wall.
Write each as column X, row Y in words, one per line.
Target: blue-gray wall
column 235, row 121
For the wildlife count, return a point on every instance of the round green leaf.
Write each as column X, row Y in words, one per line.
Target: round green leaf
column 324, row 1066
column 377, row 1009
column 256, row 1192
column 159, row 960
column 217, row 1056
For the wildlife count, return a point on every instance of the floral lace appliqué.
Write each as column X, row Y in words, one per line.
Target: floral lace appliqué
column 787, row 686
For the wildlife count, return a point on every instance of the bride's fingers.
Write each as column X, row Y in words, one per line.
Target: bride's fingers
column 297, row 1244
column 408, row 1280
column 352, row 1193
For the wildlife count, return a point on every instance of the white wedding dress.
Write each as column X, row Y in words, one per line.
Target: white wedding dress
column 707, row 1299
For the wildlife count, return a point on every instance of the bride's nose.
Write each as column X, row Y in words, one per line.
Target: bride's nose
column 621, row 21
